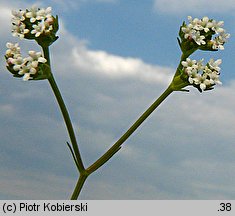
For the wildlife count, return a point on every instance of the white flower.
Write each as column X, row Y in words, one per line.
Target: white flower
column 41, row 21
column 214, row 65
column 38, row 14
column 17, row 63
column 187, row 32
column 198, row 38
column 199, row 29
column 18, row 29
column 42, row 27
column 45, row 24
column 42, row 14
column 196, row 24
column 217, row 44
column 36, row 56
column 224, row 36
column 18, row 26
column 194, row 77
column 48, row 26
column 18, row 15
column 217, row 26
column 32, row 14
column 204, row 77
column 189, row 63
column 13, row 49
column 26, row 67
column 206, row 24
column 192, row 66
column 220, row 40
column 38, row 29
column 215, row 78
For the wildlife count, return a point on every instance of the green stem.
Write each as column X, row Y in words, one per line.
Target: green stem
column 64, row 112
column 79, row 185
column 84, row 173
column 106, row 156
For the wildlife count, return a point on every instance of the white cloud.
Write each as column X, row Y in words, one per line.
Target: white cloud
column 119, row 67
column 192, row 6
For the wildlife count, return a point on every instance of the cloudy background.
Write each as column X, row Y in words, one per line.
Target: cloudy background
column 112, row 60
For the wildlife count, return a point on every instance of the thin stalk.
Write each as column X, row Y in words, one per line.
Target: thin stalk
column 84, row 173
column 65, row 113
column 79, row 185
column 116, row 146
column 106, row 156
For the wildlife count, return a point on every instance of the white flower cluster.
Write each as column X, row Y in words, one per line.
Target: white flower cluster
column 202, row 76
column 26, row 67
column 198, row 29
column 39, row 21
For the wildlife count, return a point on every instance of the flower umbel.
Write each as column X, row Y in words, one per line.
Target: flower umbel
column 35, row 23
column 198, row 34
column 203, row 77
column 29, row 67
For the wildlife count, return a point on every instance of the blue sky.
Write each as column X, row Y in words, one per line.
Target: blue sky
column 112, row 60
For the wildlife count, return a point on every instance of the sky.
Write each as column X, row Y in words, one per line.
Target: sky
column 113, row 58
